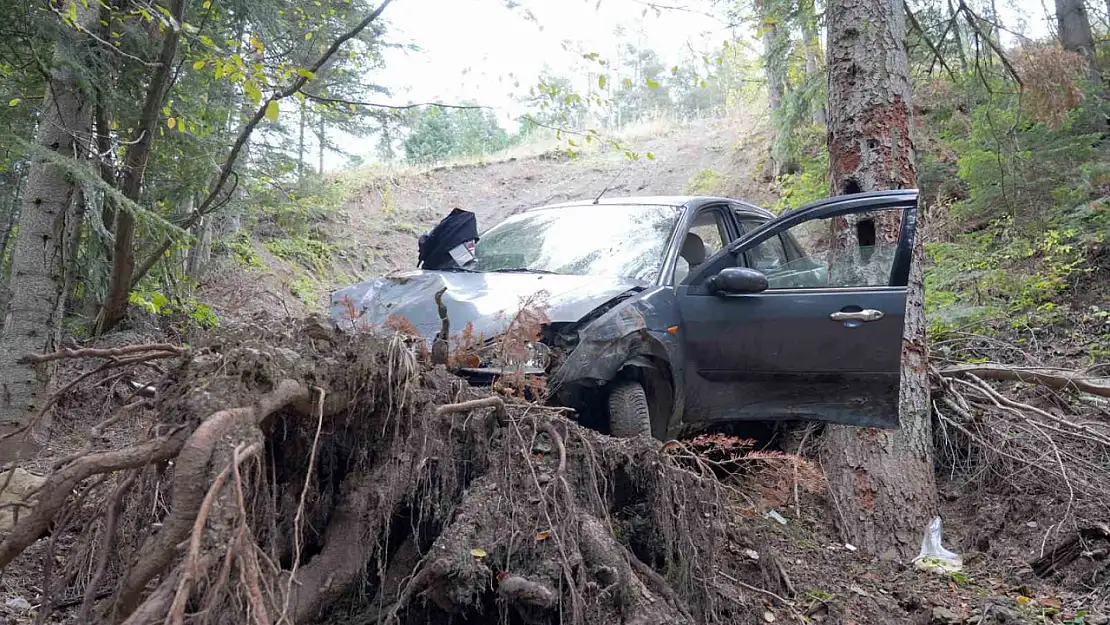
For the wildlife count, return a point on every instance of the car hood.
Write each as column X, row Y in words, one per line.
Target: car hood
column 488, row 300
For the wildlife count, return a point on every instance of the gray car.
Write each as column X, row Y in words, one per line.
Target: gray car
column 668, row 312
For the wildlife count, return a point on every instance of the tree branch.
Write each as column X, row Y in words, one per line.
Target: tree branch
column 929, row 42
column 393, row 107
column 209, row 204
column 1053, row 378
column 972, row 20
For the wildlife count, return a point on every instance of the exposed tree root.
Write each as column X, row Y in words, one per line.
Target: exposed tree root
column 353, row 482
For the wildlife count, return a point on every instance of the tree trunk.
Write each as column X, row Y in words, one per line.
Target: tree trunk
column 812, row 45
column 955, row 24
column 138, row 153
column 882, row 480
column 300, row 143
column 1075, row 31
column 37, row 283
column 322, row 135
column 774, row 61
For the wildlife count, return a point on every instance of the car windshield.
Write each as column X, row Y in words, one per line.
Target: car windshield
column 624, row 241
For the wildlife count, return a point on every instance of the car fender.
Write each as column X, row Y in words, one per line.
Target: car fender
column 635, row 334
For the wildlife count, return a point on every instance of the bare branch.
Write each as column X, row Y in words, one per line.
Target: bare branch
column 392, row 107
column 929, row 42
column 209, row 203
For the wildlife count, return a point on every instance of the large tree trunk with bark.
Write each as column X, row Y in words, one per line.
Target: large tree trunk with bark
column 882, row 480
column 37, row 281
column 1075, row 32
column 1075, row 27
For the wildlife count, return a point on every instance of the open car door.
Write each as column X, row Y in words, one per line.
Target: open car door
column 802, row 317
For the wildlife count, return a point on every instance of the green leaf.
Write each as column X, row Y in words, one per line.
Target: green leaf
column 601, row 80
column 651, row 83
column 252, row 91
column 199, row 65
column 308, row 36
column 172, row 123
column 650, row 156
column 14, row 102
column 208, row 4
column 272, row 110
column 306, row 73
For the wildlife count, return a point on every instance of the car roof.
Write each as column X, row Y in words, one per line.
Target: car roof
column 693, row 201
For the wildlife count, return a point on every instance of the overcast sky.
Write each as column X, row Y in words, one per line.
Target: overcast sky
column 485, row 51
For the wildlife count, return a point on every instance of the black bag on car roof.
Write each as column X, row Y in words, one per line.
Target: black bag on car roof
column 455, row 229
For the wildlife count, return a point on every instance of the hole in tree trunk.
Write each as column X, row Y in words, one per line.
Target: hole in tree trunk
column 851, row 185
column 865, row 236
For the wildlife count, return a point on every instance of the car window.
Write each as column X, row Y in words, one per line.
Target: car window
column 768, row 256
column 710, row 228
column 855, row 250
column 707, row 236
column 613, row 240
column 749, row 223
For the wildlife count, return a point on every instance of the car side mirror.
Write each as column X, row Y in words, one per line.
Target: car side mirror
column 738, row 280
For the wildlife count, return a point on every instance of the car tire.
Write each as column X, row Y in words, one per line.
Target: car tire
column 628, row 410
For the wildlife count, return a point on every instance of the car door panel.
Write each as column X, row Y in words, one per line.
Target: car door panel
column 790, row 352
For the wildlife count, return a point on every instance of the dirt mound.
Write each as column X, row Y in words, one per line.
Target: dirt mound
column 305, row 475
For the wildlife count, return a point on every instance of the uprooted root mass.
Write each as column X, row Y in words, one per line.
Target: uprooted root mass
column 315, row 476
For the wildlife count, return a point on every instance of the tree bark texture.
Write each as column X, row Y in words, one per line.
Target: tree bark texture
column 1075, row 30
column 882, row 480
column 138, row 154
column 869, row 97
column 37, row 281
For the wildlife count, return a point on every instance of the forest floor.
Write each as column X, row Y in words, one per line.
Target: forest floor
column 771, row 533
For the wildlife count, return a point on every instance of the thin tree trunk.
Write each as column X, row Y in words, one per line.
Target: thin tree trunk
column 882, row 480
column 300, row 143
column 138, row 153
column 36, row 278
column 774, row 61
column 955, row 24
column 322, row 135
column 812, row 45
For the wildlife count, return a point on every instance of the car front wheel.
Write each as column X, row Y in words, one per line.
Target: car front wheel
column 628, row 410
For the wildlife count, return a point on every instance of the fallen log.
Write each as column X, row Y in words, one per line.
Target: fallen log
column 1060, row 379
column 1069, row 549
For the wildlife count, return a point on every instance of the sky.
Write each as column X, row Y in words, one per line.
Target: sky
column 490, row 52
column 485, row 51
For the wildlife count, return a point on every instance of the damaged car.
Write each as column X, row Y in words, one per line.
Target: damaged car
column 663, row 313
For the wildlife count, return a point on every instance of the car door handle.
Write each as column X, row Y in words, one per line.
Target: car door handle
column 868, row 314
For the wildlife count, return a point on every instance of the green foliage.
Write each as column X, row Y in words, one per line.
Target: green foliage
column 157, row 302
column 304, row 289
column 309, row 252
column 707, row 182
column 998, row 274
column 1022, row 196
column 437, row 133
column 241, row 248
column 809, row 184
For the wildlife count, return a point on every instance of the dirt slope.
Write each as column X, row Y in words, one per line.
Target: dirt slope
column 375, row 231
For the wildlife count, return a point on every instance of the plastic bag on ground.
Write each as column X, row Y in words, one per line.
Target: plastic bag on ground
column 934, row 557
